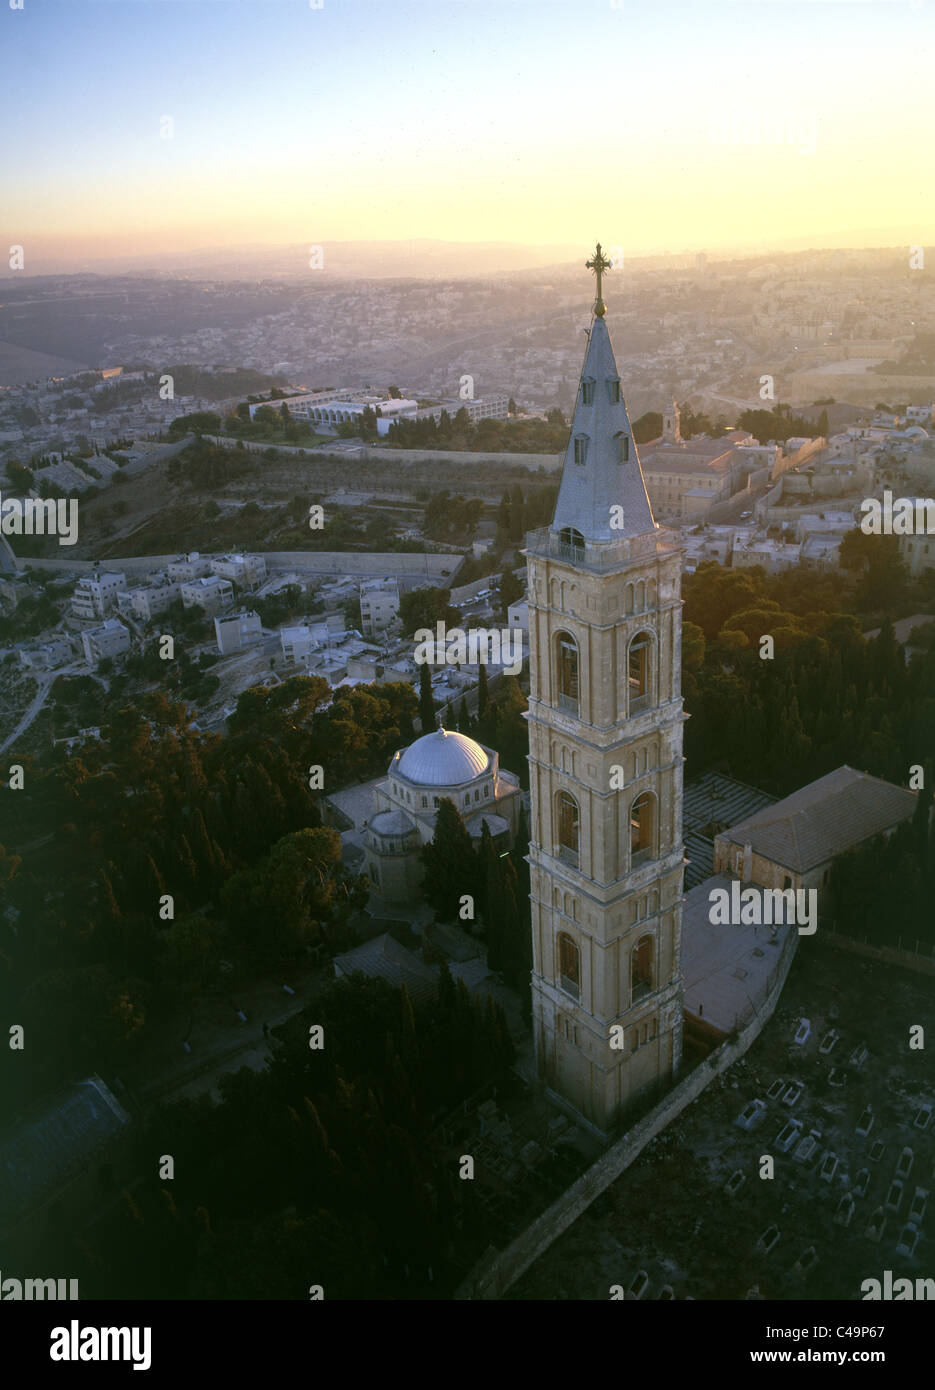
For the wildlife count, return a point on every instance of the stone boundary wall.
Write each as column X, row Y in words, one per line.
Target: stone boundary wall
column 550, row 462
column 329, row 562
column 473, row 589
column 492, row 1280
column 892, row 955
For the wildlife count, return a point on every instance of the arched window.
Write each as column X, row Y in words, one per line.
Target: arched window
column 639, row 671
column 641, row 968
column 566, row 674
column 642, row 829
column 569, row 965
column 566, row 813
column 571, row 541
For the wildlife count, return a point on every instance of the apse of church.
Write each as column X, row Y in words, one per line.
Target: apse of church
column 605, row 743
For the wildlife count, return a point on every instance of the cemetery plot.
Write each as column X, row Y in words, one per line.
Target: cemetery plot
column 876, row 1225
column 751, row 1115
column 805, row 1263
column 788, row 1136
column 908, row 1240
column 904, row 1166
column 829, row 1166
column 865, row 1123
column 919, row 1203
column 768, row 1240
column 735, row 1182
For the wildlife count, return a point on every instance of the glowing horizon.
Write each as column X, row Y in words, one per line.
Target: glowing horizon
column 665, row 127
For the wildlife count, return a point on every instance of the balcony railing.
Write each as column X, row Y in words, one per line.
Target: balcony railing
column 600, row 555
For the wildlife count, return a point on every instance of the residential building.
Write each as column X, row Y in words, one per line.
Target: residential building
column 147, row 601
column 237, row 630
column 246, row 571
column 209, row 592
column 189, row 567
column 379, row 604
column 110, row 639
column 95, row 595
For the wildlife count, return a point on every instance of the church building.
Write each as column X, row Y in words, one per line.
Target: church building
column 440, row 765
column 605, row 755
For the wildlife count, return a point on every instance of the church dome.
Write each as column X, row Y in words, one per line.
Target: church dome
column 442, row 759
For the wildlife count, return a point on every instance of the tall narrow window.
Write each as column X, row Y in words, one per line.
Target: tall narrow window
column 587, row 393
column 639, row 672
column 623, row 448
column 581, row 449
column 613, row 388
column 567, row 814
column 569, row 965
column 641, row 968
column 567, row 673
column 642, row 829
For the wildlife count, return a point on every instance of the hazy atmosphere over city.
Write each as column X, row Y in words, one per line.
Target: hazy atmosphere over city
column 467, row 670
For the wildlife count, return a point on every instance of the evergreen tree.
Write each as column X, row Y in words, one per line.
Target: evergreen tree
column 426, row 699
column 450, row 863
column 516, row 513
column 483, row 698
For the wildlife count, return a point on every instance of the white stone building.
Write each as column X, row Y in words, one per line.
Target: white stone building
column 209, row 592
column 438, row 766
column 235, row 631
column 95, row 595
column 111, row 639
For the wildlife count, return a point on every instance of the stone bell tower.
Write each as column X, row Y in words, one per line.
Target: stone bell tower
column 605, row 752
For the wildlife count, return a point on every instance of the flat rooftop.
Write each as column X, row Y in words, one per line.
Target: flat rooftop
column 726, row 970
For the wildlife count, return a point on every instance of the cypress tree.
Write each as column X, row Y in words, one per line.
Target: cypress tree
column 483, row 698
column 426, row 699
column 450, row 863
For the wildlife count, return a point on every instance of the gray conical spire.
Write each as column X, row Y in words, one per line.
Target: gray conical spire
column 602, row 469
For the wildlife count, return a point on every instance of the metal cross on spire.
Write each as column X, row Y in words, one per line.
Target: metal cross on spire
column 599, row 264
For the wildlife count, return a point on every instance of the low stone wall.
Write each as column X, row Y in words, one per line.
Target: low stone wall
column 492, row 1279
column 364, row 563
column 312, row 561
column 550, row 462
column 892, row 955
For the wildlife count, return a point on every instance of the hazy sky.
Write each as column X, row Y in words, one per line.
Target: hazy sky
column 655, row 125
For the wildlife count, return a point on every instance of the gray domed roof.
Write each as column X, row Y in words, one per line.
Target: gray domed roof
column 442, row 759
column 391, row 823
